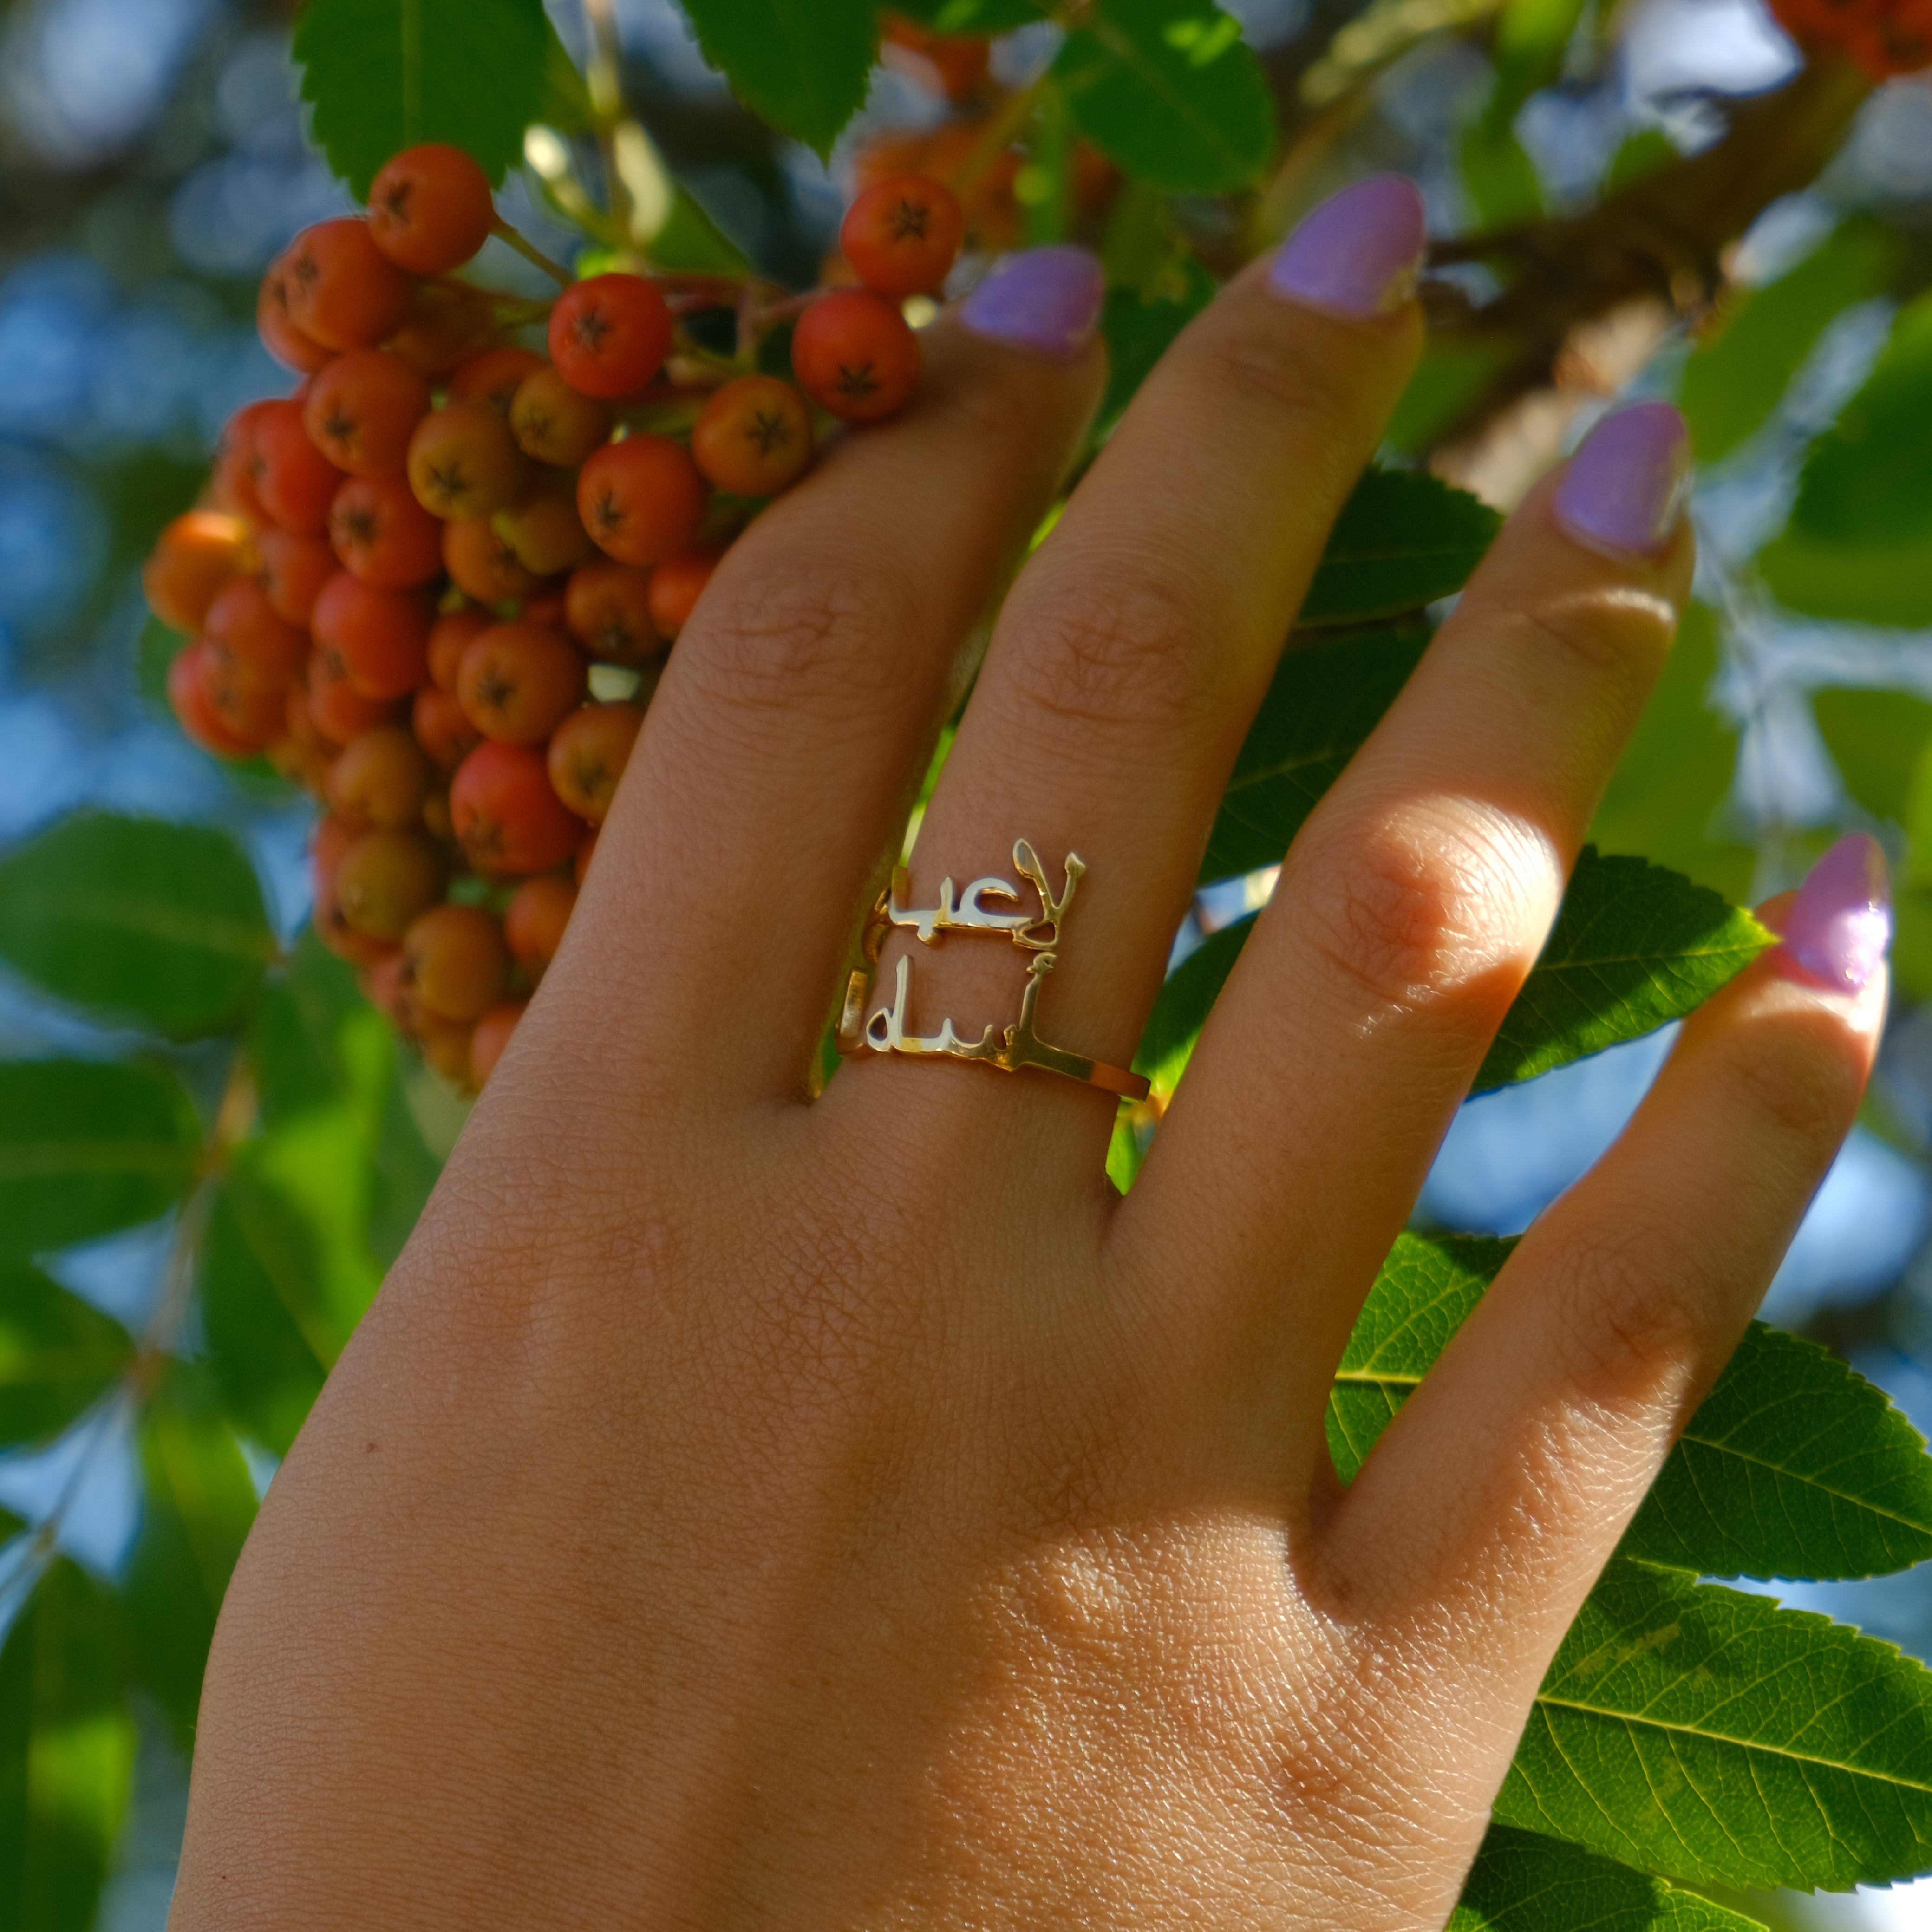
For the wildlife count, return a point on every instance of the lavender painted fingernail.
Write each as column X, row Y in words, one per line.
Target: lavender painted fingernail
column 1625, row 488
column 1359, row 252
column 1840, row 923
column 1047, row 300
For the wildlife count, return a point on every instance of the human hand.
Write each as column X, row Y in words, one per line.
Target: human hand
column 741, row 1510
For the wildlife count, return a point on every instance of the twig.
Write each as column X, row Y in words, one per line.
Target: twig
column 530, row 252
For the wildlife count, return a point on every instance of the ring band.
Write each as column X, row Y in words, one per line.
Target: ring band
column 991, row 906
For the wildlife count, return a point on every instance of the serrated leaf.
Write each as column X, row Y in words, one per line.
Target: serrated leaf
column 67, row 1753
column 1522, row 1881
column 804, row 65
column 1181, row 1007
column 1720, row 1739
column 1733, row 382
column 314, row 1042
column 1876, row 740
column 88, row 1147
column 197, row 1504
column 161, row 924
column 286, row 1272
column 1794, row 1465
column 1169, row 90
column 379, row 76
column 1403, row 539
column 1633, row 947
column 1423, row 1294
column 1138, row 333
column 1675, row 774
column 1325, row 699
column 58, row 1355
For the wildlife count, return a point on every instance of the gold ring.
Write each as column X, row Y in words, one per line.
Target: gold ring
column 991, row 905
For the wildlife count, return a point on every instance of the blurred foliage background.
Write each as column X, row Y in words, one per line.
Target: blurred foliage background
column 1654, row 197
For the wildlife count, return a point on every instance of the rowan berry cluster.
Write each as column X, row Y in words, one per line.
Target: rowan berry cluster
column 1884, row 37
column 436, row 585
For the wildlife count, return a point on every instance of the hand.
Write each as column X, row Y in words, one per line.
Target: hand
column 743, row 1509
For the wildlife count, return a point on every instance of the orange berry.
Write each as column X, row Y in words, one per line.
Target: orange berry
column 187, row 698
column 642, row 500
column 295, row 483
column 443, row 727
column 753, row 437
column 607, row 606
column 446, row 325
column 458, row 965
column 855, row 356
column 192, row 559
column 382, row 534
column 462, row 463
column 381, row 636
column 343, row 291
column 491, row 1036
column 610, row 335
column 495, row 376
column 534, row 921
column 429, row 209
column 518, row 681
column 546, row 532
column 554, row 423
column 902, row 236
column 482, row 566
column 386, row 881
column 380, row 779
column 360, row 411
column 336, row 708
column 288, row 345
column 233, row 464
column 249, row 647
column 587, row 755
column 580, row 869
column 675, row 586
column 449, row 636
column 509, row 820
column 294, row 569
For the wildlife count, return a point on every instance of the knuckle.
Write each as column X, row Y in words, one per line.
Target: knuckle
column 1248, row 356
column 1609, row 639
column 1419, row 907
column 1101, row 656
column 1640, row 1303
column 1800, row 1101
column 803, row 640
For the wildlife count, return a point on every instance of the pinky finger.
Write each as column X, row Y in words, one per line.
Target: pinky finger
column 1503, row 1485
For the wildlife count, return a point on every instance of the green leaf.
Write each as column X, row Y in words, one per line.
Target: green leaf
column 1638, row 156
column 1326, row 698
column 67, row 1753
column 1181, row 1007
column 379, row 76
column 1169, row 90
column 1876, row 739
column 1522, row 1881
column 1633, row 947
column 1868, row 478
column 1710, row 1736
column 314, row 1042
column 161, row 925
column 804, row 65
column 58, row 1355
column 1139, row 332
column 1424, row 1292
column 1794, row 1465
column 196, row 1510
column 88, row 1147
column 1675, row 773
column 1734, row 380
column 1403, row 539
column 1447, row 381
column 1498, row 175
column 968, row 16
column 287, row 1272
column 1888, row 584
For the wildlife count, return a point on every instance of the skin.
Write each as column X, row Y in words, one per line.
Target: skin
column 742, row 1511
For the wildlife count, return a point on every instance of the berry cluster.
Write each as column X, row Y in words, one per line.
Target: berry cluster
column 1885, row 37
column 436, row 585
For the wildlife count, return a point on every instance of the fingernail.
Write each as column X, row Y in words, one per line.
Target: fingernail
column 1841, row 923
column 1358, row 253
column 1046, row 299
column 1626, row 487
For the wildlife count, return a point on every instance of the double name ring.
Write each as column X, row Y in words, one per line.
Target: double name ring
column 993, row 907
